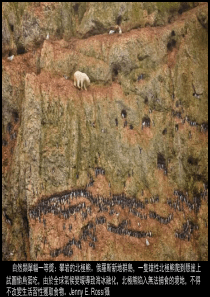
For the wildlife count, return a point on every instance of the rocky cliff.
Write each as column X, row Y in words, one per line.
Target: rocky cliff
column 117, row 172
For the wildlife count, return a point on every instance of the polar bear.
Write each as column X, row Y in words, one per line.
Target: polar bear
column 81, row 80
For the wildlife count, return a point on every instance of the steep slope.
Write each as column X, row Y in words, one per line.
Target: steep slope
column 89, row 175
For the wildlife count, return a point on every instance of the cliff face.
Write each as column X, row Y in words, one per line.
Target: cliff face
column 90, row 175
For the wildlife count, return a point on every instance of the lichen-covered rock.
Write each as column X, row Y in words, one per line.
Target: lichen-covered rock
column 133, row 147
column 25, row 24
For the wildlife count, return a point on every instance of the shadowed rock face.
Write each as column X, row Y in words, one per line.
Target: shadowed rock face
column 90, row 175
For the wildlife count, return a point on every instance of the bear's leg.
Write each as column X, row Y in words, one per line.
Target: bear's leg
column 81, row 83
column 78, row 83
column 85, row 86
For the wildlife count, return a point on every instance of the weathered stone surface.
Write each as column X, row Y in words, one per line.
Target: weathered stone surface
column 143, row 120
column 25, row 24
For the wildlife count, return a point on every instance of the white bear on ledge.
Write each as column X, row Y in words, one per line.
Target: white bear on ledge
column 81, row 80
